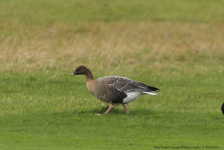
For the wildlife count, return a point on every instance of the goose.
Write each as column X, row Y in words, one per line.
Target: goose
column 114, row 89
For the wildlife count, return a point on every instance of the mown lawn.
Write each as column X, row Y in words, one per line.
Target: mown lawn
column 176, row 46
column 38, row 112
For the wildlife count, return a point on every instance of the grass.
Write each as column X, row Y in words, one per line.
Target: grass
column 68, row 130
column 176, row 46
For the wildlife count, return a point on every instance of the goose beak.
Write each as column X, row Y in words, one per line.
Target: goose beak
column 73, row 73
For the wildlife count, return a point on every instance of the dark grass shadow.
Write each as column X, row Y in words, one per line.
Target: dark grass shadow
column 101, row 110
column 146, row 113
column 117, row 111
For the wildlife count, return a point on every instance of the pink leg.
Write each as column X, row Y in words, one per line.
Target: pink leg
column 125, row 108
column 111, row 106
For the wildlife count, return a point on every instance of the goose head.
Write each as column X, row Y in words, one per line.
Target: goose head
column 81, row 70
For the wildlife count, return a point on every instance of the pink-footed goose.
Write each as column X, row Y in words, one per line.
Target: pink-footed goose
column 114, row 89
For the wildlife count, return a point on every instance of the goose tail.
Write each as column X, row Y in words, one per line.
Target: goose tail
column 153, row 88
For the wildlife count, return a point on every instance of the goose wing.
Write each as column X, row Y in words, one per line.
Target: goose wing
column 127, row 85
column 109, row 93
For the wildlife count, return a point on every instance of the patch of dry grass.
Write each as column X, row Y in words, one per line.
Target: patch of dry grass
column 114, row 45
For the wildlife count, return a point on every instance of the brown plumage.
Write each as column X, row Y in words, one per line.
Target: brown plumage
column 114, row 89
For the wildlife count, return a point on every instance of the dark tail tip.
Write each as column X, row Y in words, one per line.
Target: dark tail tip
column 153, row 88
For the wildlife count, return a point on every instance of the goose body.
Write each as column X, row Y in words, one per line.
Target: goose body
column 114, row 89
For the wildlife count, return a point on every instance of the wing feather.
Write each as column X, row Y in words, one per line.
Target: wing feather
column 110, row 93
column 126, row 85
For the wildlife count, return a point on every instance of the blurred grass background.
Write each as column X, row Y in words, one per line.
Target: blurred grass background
column 40, row 35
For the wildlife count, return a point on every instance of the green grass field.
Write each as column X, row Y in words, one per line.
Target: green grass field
column 176, row 46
